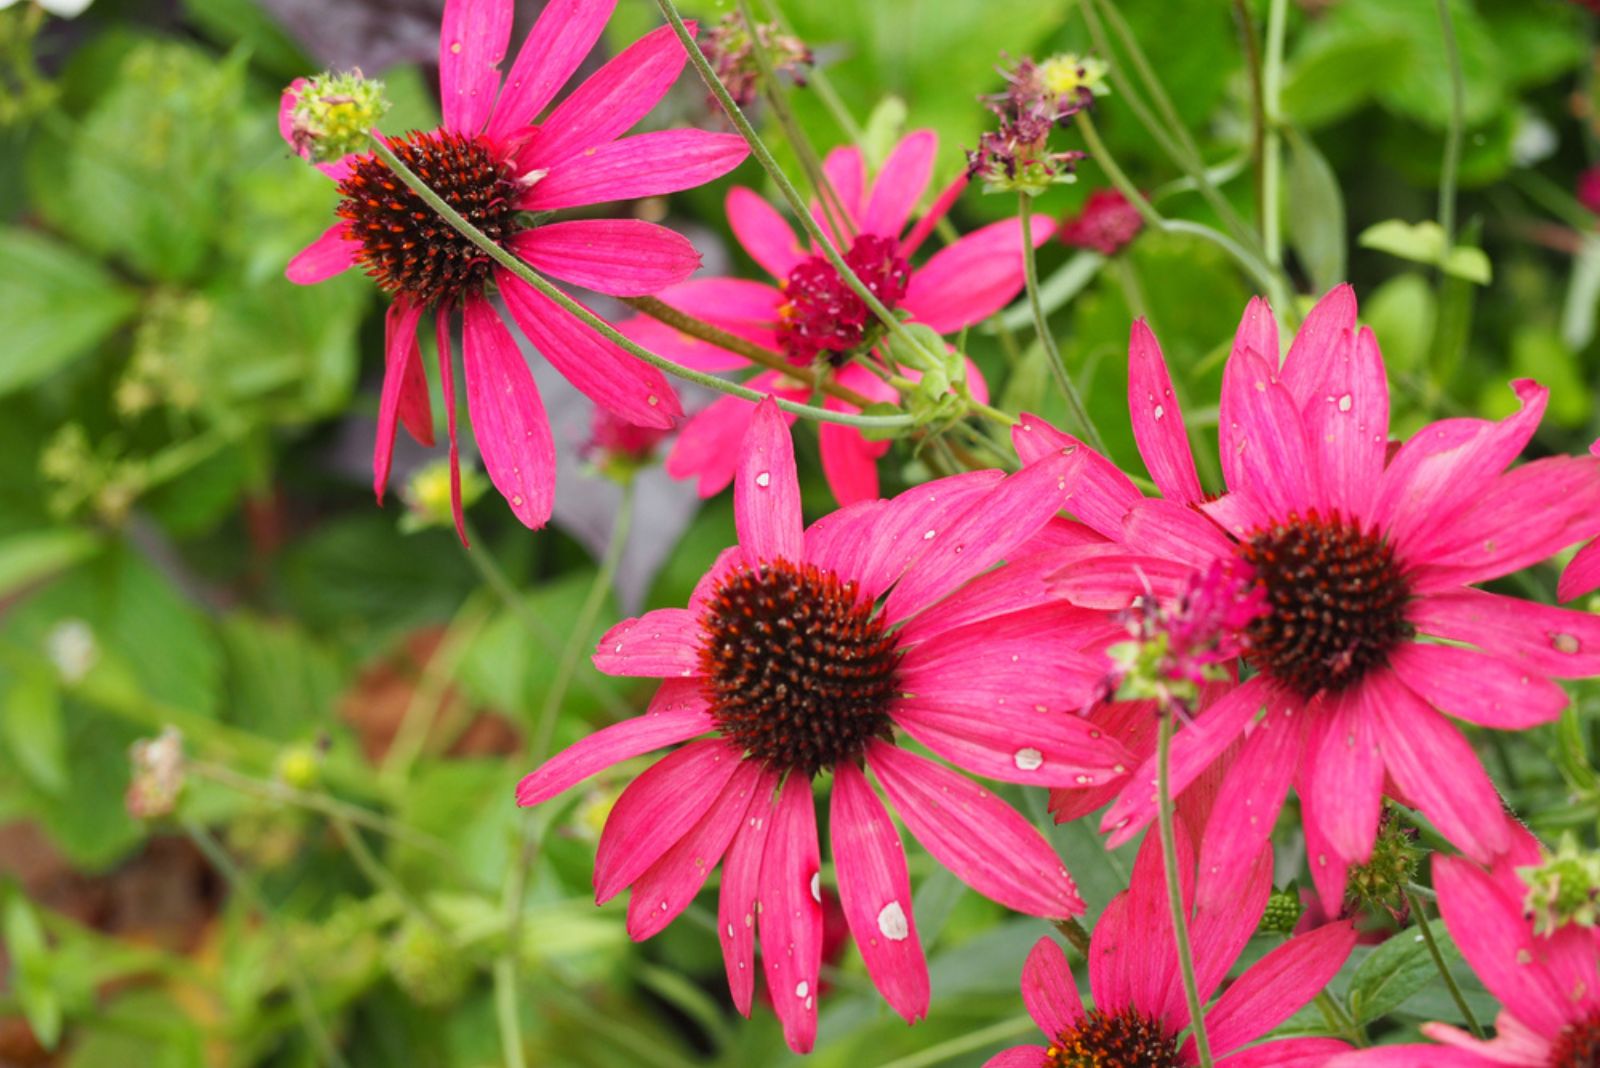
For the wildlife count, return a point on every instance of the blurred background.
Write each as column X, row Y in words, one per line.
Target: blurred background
column 258, row 737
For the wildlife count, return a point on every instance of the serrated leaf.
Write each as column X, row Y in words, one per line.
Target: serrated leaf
column 55, row 304
column 1395, row 971
column 1316, row 213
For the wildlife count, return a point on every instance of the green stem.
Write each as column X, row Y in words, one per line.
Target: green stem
column 818, row 79
column 1180, row 919
column 1052, row 355
column 1272, row 148
column 1338, row 1020
column 1452, row 140
column 1421, row 919
column 970, row 1042
column 1258, row 112
column 599, row 325
column 1073, row 931
column 378, row 874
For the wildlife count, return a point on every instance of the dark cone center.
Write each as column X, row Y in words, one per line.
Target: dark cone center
column 1336, row 602
column 405, row 245
column 1578, row 1046
column 823, row 316
column 1127, row 1039
column 798, row 667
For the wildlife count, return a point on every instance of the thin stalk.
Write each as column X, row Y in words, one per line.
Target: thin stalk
column 968, row 1043
column 1258, row 111
column 1180, row 919
column 1459, row 998
column 378, row 874
column 818, row 79
column 599, row 325
column 1073, row 931
column 1338, row 1020
column 1272, row 149
column 1452, row 139
column 790, row 195
column 1052, row 355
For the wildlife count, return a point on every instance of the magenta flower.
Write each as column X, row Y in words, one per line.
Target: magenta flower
column 1588, row 188
column 1139, row 1006
column 1582, row 574
column 492, row 163
column 1362, row 559
column 811, row 315
column 1549, row 984
column 1104, row 224
column 805, row 651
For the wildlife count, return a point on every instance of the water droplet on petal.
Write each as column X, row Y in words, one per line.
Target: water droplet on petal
column 929, row 535
column 892, row 922
column 1159, row 412
column 816, row 887
column 1565, row 643
column 802, row 988
column 1028, row 759
column 1345, row 402
column 764, row 479
column 455, row 48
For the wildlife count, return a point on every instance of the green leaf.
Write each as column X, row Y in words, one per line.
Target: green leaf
column 244, row 22
column 1316, row 213
column 1395, row 971
column 33, row 731
column 56, row 305
column 32, row 970
column 885, row 126
column 25, row 558
column 1470, row 264
column 1337, row 73
column 1583, row 296
column 1424, row 242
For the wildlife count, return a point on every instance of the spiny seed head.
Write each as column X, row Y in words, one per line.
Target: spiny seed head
column 405, row 245
column 1564, row 888
column 798, row 667
column 1578, row 1045
column 1128, row 1039
column 823, row 316
column 333, row 114
column 1336, row 600
column 1380, row 885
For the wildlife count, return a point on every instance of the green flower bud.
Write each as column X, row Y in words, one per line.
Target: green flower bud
column 1283, row 912
column 425, row 965
column 1564, row 889
column 332, row 114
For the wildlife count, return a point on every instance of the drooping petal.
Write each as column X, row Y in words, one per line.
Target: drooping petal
column 741, row 890
column 764, row 233
column 447, row 391
column 1277, row 986
column 1347, row 773
column 1193, row 749
column 1018, row 1057
column 1321, row 347
column 1163, row 527
column 472, row 42
column 1095, row 578
column 622, row 257
column 875, row 893
column 663, row 643
column 900, row 183
column 1437, row 770
column 985, row 842
column 1552, row 641
column 657, row 809
column 1582, row 575
column 969, row 281
column 611, row 100
column 628, row 387
column 1017, row 744
column 791, row 912
column 670, row 720
column 331, row 254
column 416, row 413
column 1100, row 494
column 1048, row 989
column 508, row 417
column 709, row 444
column 1347, row 426
column 1299, row 1053
column 668, row 886
column 644, row 165
column 563, row 35
column 1262, row 432
column 400, row 342
column 1158, row 424
column 766, row 491
column 1480, row 689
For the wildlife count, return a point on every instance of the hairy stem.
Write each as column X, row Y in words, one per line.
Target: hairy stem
column 1180, row 918
column 1052, row 355
column 1456, row 995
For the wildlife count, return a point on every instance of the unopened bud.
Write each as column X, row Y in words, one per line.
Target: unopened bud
column 330, row 116
column 1282, row 913
column 1381, row 883
column 731, row 48
column 1564, row 889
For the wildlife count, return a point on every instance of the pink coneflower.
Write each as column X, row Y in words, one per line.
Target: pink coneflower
column 812, row 317
column 1548, row 983
column 1139, row 1008
column 1582, row 574
column 1104, row 224
column 491, row 163
column 1361, row 557
column 806, row 651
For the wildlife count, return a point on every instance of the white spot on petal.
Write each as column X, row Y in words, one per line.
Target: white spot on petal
column 764, row 479
column 1028, row 759
column 1345, row 402
column 816, row 887
column 802, row 988
column 892, row 922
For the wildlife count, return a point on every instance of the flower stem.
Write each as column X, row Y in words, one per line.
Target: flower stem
column 1073, row 931
column 1180, row 920
column 1258, row 109
column 818, row 79
column 1452, row 141
column 1052, row 355
column 1272, row 146
column 1456, row 995
column 599, row 325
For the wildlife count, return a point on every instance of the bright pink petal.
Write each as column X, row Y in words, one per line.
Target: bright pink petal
column 1288, row 1053
column 1479, row 689
column 875, row 892
column 1582, row 575
column 741, row 888
column 1025, row 746
column 1158, row 424
column 601, row 370
column 447, row 390
column 709, row 444
column 695, row 354
column 972, row 279
column 1228, row 906
column 416, row 414
column 1101, row 493
column 559, row 40
column 668, row 886
column 1347, row 427
column 1111, row 581
column 1347, row 773
column 766, row 490
column 1408, row 1056
column 1133, row 960
column 668, row 722
column 664, row 643
column 1193, row 749
column 849, row 460
column 900, row 183
column 791, row 913
column 1437, row 770
column 508, row 418
column 1018, row 507
column 846, row 174
column 622, row 257
column 1163, row 527
column 936, row 211
column 400, row 341
column 659, row 807
column 1048, row 989
column 730, row 303
column 980, row 838
column 1277, row 986
column 1257, row 334
column 1261, row 430
column 1022, row 581
column 611, row 100
column 472, row 42
column 1018, row 1057
column 331, row 254
column 911, row 523
column 644, row 165
column 1320, row 349
column 763, row 232
column 1548, row 640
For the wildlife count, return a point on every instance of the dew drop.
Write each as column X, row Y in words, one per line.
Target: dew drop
column 516, row 502
column 816, row 887
column 1028, row 759
column 764, row 479
column 652, row 400
column 802, row 988
column 1345, row 402
column 1159, row 412
column 1565, row 643
column 455, row 48
column 892, row 922
column 929, row 535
